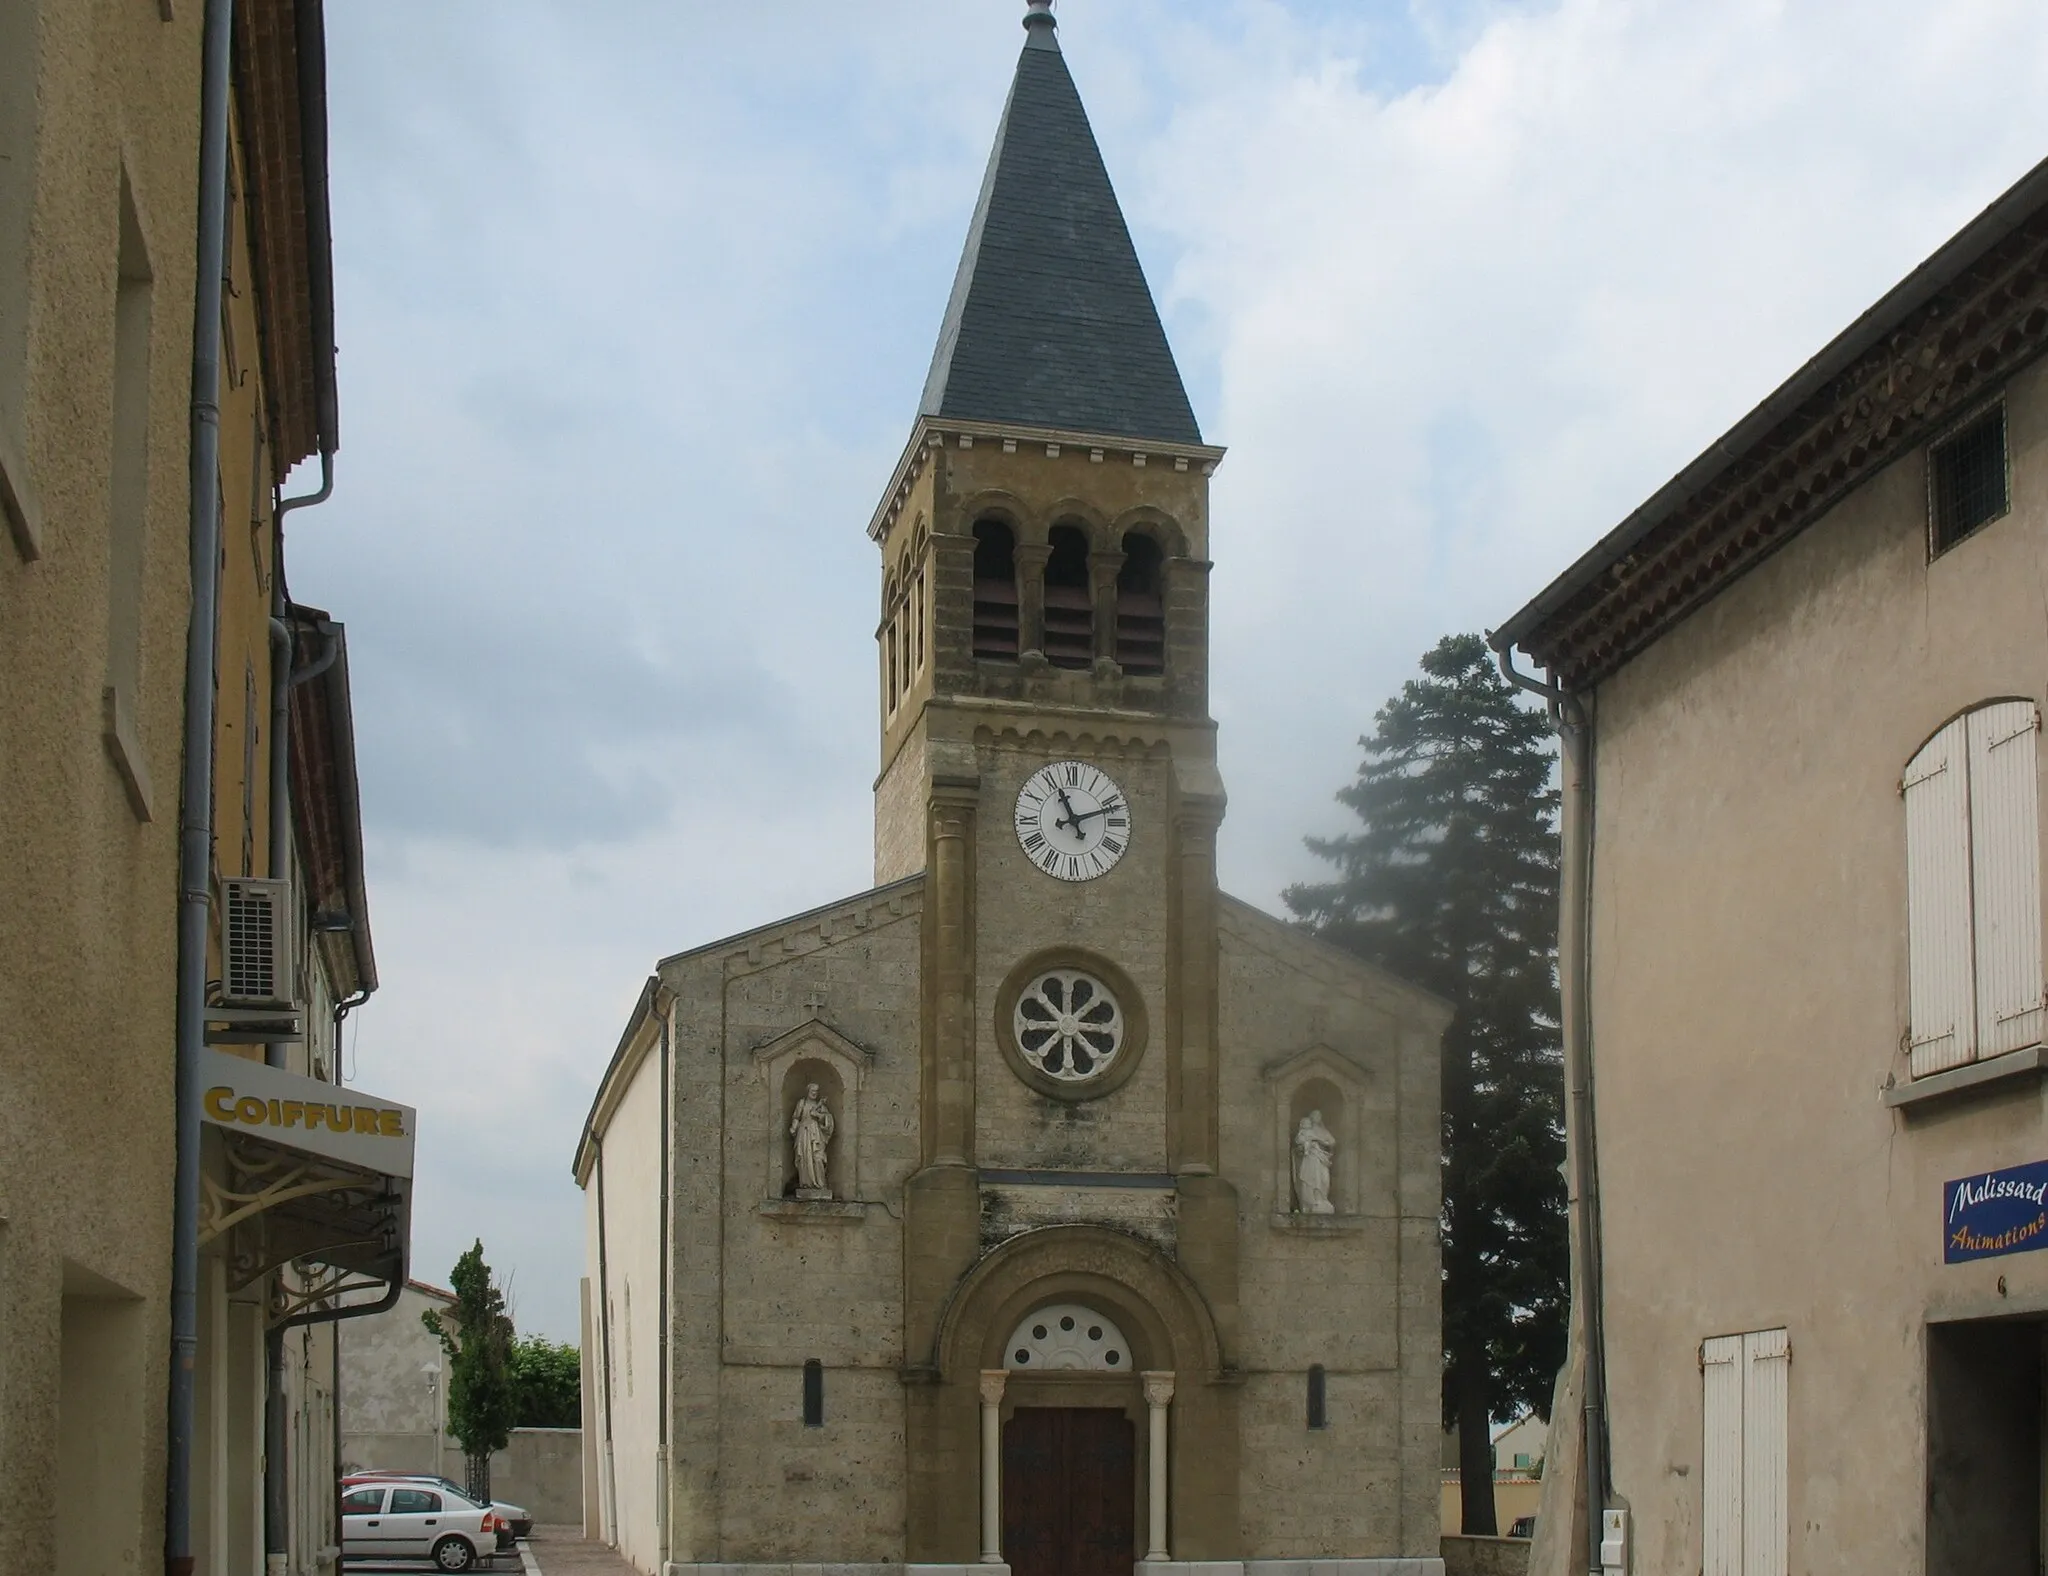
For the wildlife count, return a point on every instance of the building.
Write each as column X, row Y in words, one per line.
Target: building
column 1517, row 1474
column 1041, row 1203
column 1800, row 693
column 394, row 1414
column 185, row 920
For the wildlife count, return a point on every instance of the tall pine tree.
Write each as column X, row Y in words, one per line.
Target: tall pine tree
column 477, row 1335
column 1451, row 882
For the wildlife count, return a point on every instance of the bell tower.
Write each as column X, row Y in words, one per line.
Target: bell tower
column 1047, row 756
column 1044, row 539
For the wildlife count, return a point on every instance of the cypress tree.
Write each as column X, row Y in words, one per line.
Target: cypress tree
column 477, row 1335
column 1451, row 883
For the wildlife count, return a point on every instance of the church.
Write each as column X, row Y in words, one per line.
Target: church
column 1042, row 1205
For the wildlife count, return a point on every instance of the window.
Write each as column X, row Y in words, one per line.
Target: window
column 814, row 1393
column 1318, row 1398
column 1973, row 888
column 1742, row 1486
column 995, row 591
column 1966, row 479
column 362, row 1502
column 1069, row 608
column 1140, row 608
column 413, row 1502
column 129, row 496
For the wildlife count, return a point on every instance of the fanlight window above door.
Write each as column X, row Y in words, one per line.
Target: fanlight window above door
column 1067, row 1338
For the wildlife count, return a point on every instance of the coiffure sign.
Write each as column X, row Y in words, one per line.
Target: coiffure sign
column 1995, row 1213
column 315, row 1118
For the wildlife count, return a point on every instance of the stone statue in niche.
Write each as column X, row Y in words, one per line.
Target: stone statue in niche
column 1314, row 1145
column 810, row 1133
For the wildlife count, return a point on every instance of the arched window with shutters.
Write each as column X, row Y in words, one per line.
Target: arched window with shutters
column 995, row 591
column 1069, row 603
column 1973, row 888
column 1140, row 607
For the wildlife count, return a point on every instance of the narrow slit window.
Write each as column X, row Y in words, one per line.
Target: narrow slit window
column 995, row 591
column 1967, row 483
column 814, row 1393
column 1069, row 608
column 1318, row 1398
column 1140, row 608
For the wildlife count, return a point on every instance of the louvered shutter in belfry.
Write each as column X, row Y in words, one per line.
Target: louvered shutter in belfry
column 1721, row 1368
column 2005, row 873
column 1767, row 1361
column 1942, row 1027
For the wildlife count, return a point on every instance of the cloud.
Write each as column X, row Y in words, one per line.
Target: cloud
column 634, row 311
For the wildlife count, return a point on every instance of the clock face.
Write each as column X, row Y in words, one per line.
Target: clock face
column 1073, row 822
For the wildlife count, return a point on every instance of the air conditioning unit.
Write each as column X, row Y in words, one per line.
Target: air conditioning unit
column 256, row 944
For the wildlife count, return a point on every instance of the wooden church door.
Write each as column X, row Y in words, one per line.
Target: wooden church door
column 1069, row 1491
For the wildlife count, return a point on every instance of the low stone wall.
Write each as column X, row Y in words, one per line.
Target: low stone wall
column 1486, row 1556
column 540, row 1471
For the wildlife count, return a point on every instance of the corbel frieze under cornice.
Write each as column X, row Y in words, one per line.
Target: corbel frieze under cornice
column 1942, row 358
column 930, row 435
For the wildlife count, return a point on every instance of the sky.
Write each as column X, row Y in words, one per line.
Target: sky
column 635, row 302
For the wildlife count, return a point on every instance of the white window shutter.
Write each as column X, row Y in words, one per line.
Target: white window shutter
column 1942, row 1030
column 1721, row 1371
column 1767, row 1360
column 2005, row 873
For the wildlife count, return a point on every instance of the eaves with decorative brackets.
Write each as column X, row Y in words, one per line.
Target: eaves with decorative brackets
column 1949, row 335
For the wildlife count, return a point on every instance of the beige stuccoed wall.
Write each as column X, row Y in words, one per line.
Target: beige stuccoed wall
column 87, row 944
column 394, row 1387
column 1749, row 979
column 632, row 1312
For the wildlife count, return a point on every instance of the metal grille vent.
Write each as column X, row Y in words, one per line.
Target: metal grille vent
column 1968, row 479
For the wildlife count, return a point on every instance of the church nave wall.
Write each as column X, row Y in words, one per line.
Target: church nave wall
column 833, row 1493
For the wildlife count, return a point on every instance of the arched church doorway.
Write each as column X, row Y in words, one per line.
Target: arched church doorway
column 1070, row 1445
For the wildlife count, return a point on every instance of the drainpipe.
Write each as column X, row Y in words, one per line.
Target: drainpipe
column 1575, row 938
column 195, row 815
column 310, row 41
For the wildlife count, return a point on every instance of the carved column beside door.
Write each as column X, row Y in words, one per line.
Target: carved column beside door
column 992, row 1382
column 1158, row 1396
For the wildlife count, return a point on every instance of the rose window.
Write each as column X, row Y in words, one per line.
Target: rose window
column 1068, row 1025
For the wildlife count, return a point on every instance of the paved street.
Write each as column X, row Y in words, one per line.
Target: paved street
column 562, row 1551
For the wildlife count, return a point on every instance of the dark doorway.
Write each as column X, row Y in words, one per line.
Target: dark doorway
column 1069, row 1491
column 1983, row 1447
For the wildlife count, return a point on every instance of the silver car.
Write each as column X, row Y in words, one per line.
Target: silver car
column 416, row 1521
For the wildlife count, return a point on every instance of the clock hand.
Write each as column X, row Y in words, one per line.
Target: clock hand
column 1067, row 805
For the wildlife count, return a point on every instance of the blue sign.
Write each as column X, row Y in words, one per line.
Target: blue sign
column 1996, row 1213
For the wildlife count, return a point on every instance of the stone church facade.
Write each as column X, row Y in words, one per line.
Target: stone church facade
column 1041, row 1205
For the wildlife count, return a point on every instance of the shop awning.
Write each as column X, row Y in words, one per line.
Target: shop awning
column 302, row 1172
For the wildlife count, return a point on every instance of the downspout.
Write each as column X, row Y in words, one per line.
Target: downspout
column 661, row 1409
column 1575, row 937
column 195, row 814
column 310, row 50
column 604, row 1316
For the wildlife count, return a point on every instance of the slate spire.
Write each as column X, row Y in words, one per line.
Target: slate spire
column 1051, row 323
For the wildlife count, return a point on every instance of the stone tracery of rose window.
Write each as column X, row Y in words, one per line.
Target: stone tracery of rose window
column 1068, row 1025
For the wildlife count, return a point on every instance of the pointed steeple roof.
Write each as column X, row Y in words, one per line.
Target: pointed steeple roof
column 1051, row 323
